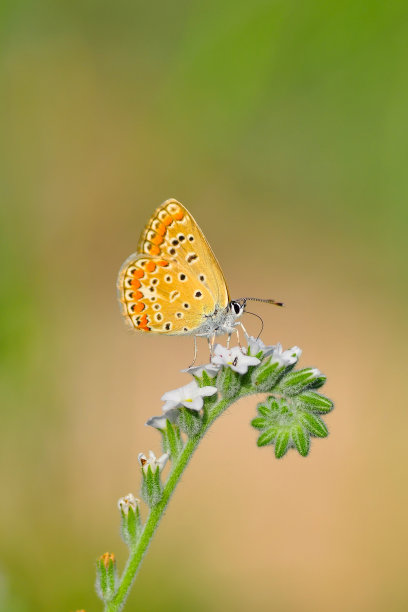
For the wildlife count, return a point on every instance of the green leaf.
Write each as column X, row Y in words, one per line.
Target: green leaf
column 315, row 402
column 301, row 439
column 267, row 437
column 281, row 443
column 259, row 423
column 314, row 424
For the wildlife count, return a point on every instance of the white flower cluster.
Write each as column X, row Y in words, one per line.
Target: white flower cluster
column 189, row 396
column 238, row 359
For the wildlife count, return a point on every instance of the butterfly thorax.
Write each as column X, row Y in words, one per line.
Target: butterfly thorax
column 221, row 321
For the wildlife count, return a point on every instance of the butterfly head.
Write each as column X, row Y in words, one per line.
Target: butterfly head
column 236, row 308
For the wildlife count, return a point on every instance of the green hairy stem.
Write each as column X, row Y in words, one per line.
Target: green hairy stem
column 156, row 513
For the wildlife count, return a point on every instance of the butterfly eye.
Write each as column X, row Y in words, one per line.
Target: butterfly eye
column 236, row 307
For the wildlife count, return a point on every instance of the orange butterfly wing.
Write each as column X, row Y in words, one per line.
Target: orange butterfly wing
column 174, row 280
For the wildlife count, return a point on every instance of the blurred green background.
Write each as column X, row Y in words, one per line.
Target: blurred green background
column 283, row 127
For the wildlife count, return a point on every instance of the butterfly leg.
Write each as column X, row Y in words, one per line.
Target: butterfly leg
column 195, row 352
column 228, row 340
column 211, row 345
column 245, row 331
column 238, row 339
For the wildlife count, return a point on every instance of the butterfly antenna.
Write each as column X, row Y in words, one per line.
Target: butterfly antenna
column 260, row 318
column 262, row 300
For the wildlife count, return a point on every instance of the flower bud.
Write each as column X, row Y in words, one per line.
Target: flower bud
column 131, row 524
column 151, row 484
column 106, row 576
column 228, row 382
column 301, row 380
column 190, row 421
column 315, row 402
column 267, row 374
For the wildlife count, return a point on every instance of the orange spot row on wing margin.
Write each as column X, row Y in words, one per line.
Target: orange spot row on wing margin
column 138, row 273
column 143, row 320
column 161, row 229
column 157, row 239
column 178, row 215
column 138, row 307
column 150, row 266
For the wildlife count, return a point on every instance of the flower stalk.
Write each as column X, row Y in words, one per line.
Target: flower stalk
column 157, row 511
column 289, row 417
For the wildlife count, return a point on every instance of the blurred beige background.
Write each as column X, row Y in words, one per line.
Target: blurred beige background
column 282, row 126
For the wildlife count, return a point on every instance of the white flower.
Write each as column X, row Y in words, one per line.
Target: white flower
column 160, row 422
column 286, row 358
column 255, row 346
column 233, row 358
column 152, row 461
column 190, row 396
column 209, row 368
column 127, row 502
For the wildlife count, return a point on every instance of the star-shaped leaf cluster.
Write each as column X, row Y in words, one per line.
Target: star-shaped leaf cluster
column 290, row 421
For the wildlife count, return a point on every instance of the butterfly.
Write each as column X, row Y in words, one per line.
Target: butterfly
column 174, row 284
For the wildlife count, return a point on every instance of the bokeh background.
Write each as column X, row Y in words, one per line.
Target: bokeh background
column 283, row 127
